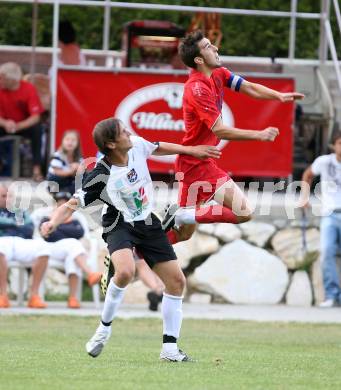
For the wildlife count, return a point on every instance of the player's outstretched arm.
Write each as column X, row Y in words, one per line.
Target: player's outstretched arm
column 200, row 151
column 231, row 133
column 259, row 91
column 61, row 214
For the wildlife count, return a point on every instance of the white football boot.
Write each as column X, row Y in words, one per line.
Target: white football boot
column 95, row 345
column 175, row 356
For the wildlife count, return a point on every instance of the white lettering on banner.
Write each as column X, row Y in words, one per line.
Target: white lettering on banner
column 154, row 121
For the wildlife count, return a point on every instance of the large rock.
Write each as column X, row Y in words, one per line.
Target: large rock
column 102, row 249
column 97, row 235
column 207, row 228
column 101, row 254
column 200, row 298
column 258, row 233
column 14, row 281
column 242, row 273
column 287, row 244
column 56, row 282
column 198, row 245
column 225, row 232
column 299, row 292
column 280, row 223
column 317, row 281
column 136, row 292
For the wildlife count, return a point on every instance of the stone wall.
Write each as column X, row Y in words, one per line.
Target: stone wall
column 253, row 263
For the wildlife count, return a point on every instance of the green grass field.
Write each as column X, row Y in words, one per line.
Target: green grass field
column 40, row 352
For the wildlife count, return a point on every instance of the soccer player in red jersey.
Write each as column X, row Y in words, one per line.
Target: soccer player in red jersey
column 203, row 180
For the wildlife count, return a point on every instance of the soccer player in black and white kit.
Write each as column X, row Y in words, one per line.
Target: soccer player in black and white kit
column 122, row 181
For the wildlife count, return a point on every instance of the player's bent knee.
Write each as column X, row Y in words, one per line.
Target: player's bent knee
column 177, row 284
column 124, row 276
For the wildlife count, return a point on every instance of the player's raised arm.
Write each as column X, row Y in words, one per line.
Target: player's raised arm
column 231, row 133
column 61, row 214
column 199, row 151
column 259, row 91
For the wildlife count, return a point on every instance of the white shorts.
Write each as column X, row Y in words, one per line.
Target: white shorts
column 65, row 252
column 23, row 250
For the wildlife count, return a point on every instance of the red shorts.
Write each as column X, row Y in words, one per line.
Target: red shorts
column 199, row 182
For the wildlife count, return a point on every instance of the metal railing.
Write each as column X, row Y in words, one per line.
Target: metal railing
column 333, row 52
column 326, row 37
column 108, row 5
column 328, row 100
column 331, row 42
column 337, row 13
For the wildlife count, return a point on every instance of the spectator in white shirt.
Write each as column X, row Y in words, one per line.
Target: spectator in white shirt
column 329, row 168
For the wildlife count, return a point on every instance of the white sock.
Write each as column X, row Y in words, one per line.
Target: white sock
column 172, row 318
column 170, row 347
column 103, row 328
column 185, row 217
column 113, row 298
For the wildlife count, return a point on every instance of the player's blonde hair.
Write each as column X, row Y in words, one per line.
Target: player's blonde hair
column 11, row 70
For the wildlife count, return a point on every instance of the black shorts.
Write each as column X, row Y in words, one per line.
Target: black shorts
column 150, row 240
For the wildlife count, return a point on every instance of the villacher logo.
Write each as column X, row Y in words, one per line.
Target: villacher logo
column 158, row 107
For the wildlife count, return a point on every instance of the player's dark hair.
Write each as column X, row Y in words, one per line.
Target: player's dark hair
column 189, row 48
column 106, row 131
column 336, row 136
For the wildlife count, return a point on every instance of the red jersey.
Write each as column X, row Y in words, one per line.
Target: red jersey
column 21, row 103
column 202, row 105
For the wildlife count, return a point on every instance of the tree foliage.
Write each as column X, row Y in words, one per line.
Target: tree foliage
column 242, row 35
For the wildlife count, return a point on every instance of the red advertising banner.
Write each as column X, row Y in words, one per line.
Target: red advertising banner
column 150, row 105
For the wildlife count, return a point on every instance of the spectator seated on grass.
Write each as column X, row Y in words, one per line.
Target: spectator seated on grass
column 20, row 111
column 66, row 162
column 16, row 244
column 65, row 247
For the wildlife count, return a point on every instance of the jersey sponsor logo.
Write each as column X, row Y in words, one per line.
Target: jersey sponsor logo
column 158, row 107
column 141, row 201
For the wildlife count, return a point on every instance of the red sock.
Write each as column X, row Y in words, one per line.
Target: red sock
column 215, row 213
column 172, row 238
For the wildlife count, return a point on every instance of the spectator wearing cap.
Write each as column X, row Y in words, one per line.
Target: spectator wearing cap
column 20, row 111
column 66, row 247
column 66, row 162
column 16, row 244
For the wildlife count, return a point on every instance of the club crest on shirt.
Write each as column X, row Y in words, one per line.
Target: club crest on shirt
column 132, row 176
